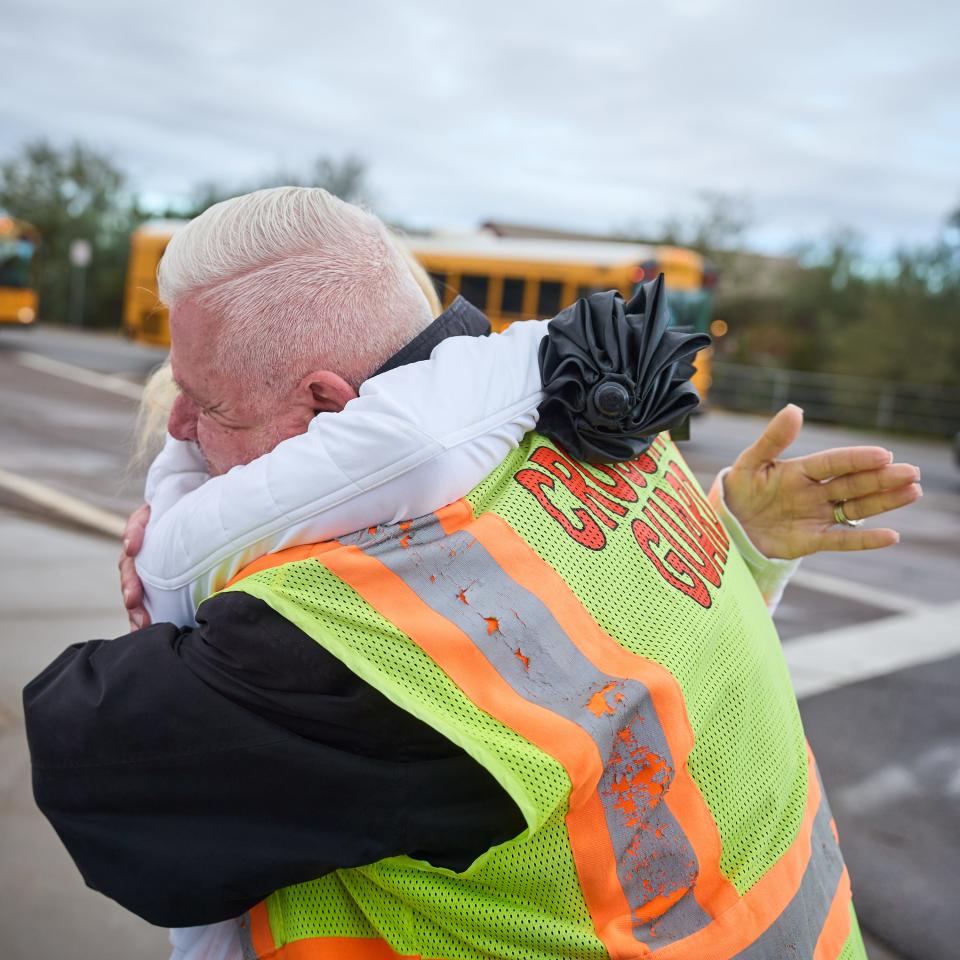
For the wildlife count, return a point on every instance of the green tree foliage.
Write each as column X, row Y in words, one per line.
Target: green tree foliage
column 831, row 308
column 843, row 313
column 72, row 193
column 345, row 178
column 75, row 192
column 718, row 230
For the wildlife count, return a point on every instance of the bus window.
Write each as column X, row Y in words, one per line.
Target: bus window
column 512, row 299
column 690, row 308
column 439, row 281
column 15, row 263
column 18, row 299
column 474, row 288
column 548, row 301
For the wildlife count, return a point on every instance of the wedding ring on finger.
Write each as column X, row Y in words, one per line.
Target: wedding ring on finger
column 840, row 517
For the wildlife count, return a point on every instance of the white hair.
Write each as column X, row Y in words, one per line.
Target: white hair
column 299, row 280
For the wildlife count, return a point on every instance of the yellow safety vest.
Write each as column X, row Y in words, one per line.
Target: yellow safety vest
column 589, row 635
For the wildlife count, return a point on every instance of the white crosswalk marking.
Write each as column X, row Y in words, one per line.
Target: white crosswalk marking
column 825, row 661
column 63, row 504
column 90, row 378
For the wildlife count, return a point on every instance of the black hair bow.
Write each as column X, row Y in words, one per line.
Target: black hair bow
column 615, row 375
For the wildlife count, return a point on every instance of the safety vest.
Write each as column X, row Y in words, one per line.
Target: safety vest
column 590, row 636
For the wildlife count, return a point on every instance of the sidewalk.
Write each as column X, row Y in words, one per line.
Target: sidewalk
column 57, row 586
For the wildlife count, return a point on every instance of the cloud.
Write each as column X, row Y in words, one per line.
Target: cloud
column 823, row 114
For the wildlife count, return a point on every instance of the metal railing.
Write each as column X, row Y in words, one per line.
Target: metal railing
column 832, row 398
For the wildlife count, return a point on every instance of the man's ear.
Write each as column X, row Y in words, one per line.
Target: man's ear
column 328, row 393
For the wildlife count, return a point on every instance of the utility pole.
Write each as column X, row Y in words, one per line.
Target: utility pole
column 80, row 254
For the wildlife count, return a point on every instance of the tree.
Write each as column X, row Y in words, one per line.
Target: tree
column 71, row 193
column 843, row 313
column 344, row 178
column 717, row 230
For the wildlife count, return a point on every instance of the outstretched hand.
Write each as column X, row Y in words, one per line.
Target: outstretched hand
column 786, row 507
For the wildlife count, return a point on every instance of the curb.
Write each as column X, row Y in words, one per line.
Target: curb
column 63, row 505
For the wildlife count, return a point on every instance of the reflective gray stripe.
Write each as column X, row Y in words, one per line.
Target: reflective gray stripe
column 246, row 943
column 456, row 577
column 794, row 933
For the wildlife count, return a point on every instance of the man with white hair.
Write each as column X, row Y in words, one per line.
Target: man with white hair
column 271, row 287
column 549, row 719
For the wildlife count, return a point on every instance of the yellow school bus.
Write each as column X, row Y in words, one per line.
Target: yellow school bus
column 144, row 318
column 514, row 278
column 508, row 278
column 18, row 243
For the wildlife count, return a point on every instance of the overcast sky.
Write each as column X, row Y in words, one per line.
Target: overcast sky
column 824, row 113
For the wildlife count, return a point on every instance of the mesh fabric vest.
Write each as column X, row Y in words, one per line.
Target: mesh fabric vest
column 590, row 636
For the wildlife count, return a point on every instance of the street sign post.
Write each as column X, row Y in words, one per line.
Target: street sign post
column 81, row 253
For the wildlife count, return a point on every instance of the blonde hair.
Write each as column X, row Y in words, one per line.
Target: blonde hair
column 156, row 402
column 160, row 391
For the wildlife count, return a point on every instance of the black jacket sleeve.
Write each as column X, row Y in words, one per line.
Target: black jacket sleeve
column 190, row 773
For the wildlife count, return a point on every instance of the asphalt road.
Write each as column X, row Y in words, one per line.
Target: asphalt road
column 75, row 437
column 888, row 746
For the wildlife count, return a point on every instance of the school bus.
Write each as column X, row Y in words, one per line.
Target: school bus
column 144, row 318
column 509, row 278
column 516, row 278
column 18, row 243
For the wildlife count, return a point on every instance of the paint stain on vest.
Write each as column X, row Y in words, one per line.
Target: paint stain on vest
column 598, row 704
column 641, row 779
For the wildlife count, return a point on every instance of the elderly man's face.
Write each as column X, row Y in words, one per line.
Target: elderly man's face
column 230, row 422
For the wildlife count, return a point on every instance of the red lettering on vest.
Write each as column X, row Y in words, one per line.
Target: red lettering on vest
column 637, row 470
column 680, row 533
column 617, row 486
column 575, row 481
column 699, row 506
column 703, row 552
column 693, row 586
column 682, row 543
column 588, row 534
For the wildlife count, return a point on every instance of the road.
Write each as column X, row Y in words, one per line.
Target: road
column 885, row 727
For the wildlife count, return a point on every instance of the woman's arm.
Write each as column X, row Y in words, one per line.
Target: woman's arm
column 770, row 574
column 417, row 437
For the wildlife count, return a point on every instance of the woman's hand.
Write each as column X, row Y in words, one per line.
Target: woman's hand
column 130, row 585
column 786, row 507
